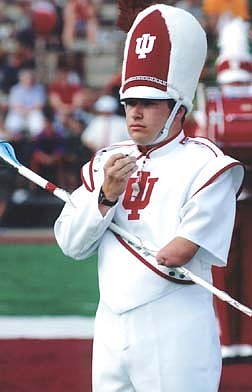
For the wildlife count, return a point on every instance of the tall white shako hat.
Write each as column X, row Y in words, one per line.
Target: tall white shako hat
column 164, row 55
column 234, row 63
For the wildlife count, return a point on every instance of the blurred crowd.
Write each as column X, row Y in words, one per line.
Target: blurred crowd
column 56, row 122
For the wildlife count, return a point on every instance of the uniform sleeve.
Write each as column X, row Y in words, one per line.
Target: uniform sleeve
column 80, row 227
column 207, row 218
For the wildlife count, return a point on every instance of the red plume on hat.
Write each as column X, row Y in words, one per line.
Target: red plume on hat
column 129, row 9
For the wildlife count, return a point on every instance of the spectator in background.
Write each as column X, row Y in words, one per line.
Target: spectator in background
column 113, row 88
column 25, row 106
column 10, row 70
column 24, row 32
column 46, row 19
column 76, row 153
column 48, row 153
column 22, row 57
column 79, row 21
column 85, row 111
column 43, row 17
column 106, row 127
column 64, row 96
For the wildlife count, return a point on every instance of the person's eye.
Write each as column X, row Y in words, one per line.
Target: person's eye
column 130, row 102
column 148, row 102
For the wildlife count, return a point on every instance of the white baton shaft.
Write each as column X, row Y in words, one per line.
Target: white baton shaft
column 43, row 183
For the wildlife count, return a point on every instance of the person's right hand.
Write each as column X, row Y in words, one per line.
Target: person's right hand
column 117, row 171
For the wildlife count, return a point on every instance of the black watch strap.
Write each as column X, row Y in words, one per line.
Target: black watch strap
column 102, row 200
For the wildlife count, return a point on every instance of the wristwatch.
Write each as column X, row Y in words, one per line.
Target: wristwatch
column 102, row 200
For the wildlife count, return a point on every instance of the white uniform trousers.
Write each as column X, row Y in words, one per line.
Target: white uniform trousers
column 168, row 345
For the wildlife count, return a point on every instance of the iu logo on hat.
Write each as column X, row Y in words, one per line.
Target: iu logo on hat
column 144, row 45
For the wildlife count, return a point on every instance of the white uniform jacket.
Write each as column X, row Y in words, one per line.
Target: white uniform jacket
column 187, row 188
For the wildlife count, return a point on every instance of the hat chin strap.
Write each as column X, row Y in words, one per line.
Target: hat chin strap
column 164, row 133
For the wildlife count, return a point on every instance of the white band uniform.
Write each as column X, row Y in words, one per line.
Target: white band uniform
column 125, row 283
column 192, row 208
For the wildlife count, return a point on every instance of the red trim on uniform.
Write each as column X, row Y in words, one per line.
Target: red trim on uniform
column 163, row 143
column 184, row 140
column 206, row 145
column 215, row 176
column 140, row 156
column 207, row 138
column 91, row 187
column 147, row 150
column 149, row 265
column 50, row 187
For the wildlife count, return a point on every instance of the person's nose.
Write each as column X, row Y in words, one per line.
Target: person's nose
column 137, row 112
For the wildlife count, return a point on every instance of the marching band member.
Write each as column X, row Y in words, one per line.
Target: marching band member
column 154, row 330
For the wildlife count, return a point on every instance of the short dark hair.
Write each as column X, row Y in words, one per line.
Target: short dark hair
column 171, row 103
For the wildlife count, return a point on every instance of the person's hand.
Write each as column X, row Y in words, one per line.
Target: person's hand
column 117, row 171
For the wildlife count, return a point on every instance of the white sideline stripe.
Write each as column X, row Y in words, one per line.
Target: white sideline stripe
column 74, row 327
column 46, row 327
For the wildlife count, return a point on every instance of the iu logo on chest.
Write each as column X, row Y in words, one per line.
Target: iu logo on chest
column 141, row 201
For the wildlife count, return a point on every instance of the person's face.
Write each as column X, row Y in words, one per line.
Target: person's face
column 63, row 76
column 145, row 118
column 27, row 78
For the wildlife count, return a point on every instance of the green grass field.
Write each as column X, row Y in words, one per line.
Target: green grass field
column 37, row 279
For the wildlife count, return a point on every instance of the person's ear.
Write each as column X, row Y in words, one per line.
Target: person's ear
column 181, row 114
